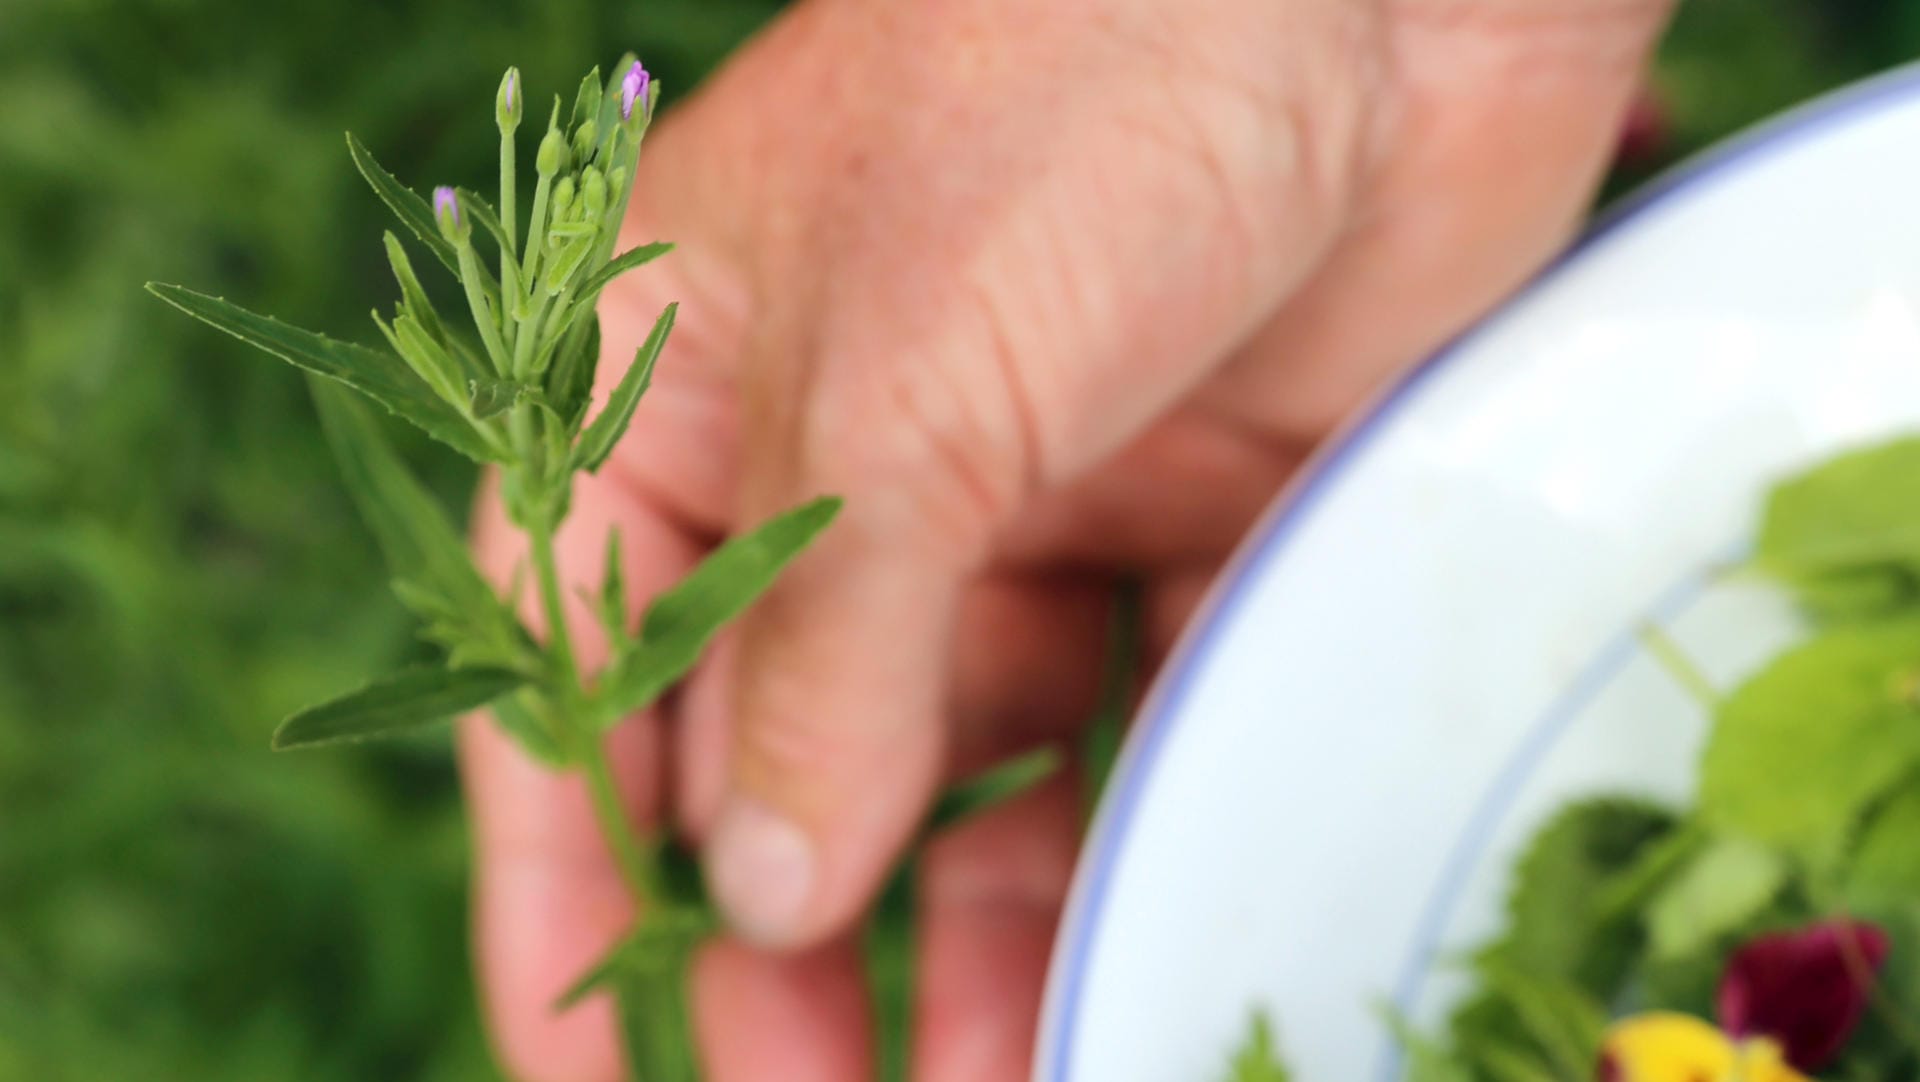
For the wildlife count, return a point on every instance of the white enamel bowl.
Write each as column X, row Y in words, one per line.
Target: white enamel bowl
column 1429, row 643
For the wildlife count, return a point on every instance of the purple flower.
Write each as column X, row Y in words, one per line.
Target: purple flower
column 1806, row 989
column 506, row 104
column 446, row 210
column 633, row 88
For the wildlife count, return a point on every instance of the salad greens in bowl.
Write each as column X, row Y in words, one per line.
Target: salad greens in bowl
column 1563, row 722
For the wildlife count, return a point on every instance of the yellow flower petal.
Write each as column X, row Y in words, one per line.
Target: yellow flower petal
column 1671, row 1047
column 1761, row 1061
column 1665, row 1047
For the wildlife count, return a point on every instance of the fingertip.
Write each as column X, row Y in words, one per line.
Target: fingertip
column 798, row 850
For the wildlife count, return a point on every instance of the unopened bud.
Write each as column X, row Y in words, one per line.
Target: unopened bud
column 593, row 192
column 583, row 139
column 633, row 91
column 553, row 156
column 446, row 210
column 506, row 105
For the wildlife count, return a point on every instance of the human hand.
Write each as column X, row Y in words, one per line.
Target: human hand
column 1051, row 294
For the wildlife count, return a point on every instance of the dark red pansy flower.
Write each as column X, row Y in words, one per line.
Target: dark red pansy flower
column 1805, row 989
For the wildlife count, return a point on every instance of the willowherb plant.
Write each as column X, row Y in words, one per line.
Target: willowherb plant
column 514, row 394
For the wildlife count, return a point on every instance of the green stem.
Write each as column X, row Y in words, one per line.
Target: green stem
column 541, row 535
column 1101, row 744
column 523, row 350
column 553, row 328
column 482, row 317
column 658, row 1025
column 634, row 857
column 1680, row 666
column 508, row 185
column 509, row 251
column 536, row 232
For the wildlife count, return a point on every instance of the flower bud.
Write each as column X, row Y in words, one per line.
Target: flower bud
column 593, row 192
column 553, row 156
column 633, row 90
column 446, row 211
column 506, row 105
column 563, row 193
column 583, row 139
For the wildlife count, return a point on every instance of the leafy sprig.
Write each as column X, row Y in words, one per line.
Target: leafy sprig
column 512, row 391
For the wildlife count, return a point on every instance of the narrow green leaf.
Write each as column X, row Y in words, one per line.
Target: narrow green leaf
column 613, row 591
column 570, row 381
column 998, row 785
column 681, row 621
column 891, row 959
column 597, row 443
column 411, row 291
column 404, row 701
column 586, row 101
column 386, row 380
column 1805, row 747
column 422, row 547
column 413, row 211
column 520, row 722
column 1106, row 730
column 599, row 976
column 617, row 266
column 649, row 946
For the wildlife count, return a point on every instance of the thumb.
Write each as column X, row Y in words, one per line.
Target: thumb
column 838, row 739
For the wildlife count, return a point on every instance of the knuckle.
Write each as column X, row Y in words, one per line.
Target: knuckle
column 936, row 432
column 1272, row 125
column 808, row 756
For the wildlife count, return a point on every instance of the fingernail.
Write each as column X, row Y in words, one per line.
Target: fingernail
column 761, row 868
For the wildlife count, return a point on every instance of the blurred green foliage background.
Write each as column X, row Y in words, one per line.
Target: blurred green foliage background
column 179, row 568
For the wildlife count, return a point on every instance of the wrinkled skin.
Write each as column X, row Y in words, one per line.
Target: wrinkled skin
column 1051, row 293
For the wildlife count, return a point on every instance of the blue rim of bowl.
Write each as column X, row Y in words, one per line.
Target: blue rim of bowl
column 1087, row 904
